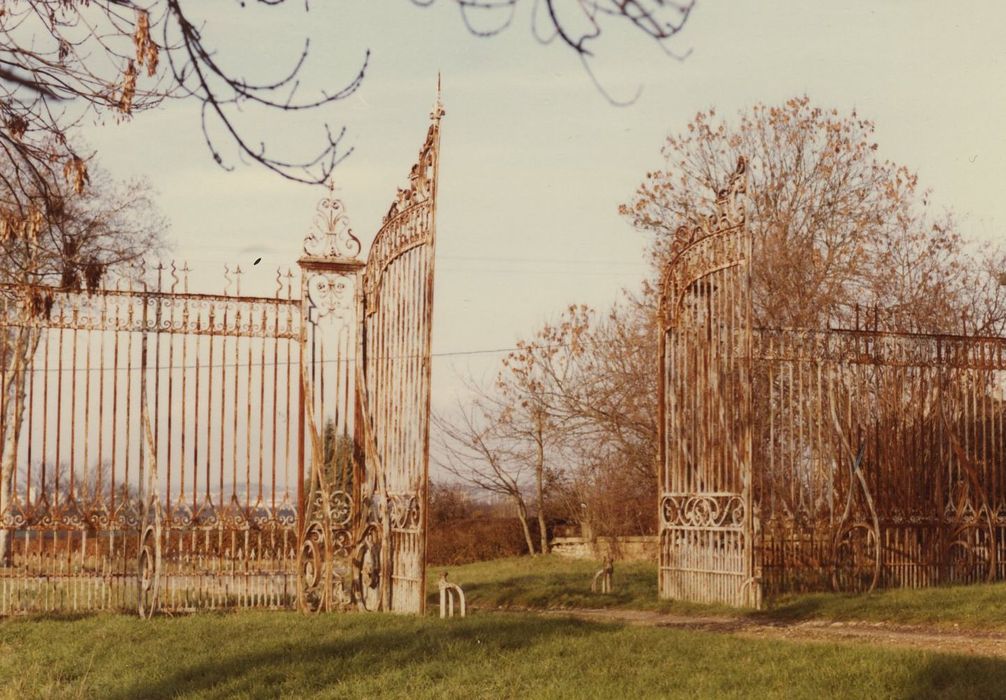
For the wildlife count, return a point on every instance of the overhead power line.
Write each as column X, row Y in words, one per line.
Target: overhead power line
column 281, row 363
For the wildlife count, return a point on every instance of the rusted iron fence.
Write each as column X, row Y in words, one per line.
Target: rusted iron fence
column 210, row 375
column 805, row 460
column 178, row 451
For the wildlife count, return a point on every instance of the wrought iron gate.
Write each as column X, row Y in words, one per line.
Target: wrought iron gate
column 705, row 410
column 178, row 450
column 802, row 459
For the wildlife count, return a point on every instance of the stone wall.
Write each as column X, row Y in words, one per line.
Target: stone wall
column 636, row 548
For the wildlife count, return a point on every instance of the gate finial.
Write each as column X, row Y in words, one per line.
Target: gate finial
column 438, row 105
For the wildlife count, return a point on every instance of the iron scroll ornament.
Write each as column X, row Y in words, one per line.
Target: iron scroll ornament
column 312, row 568
column 366, row 584
column 149, row 566
column 721, row 510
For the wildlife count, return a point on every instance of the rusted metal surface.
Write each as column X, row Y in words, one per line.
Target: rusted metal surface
column 882, row 459
column 810, row 459
column 397, row 320
column 705, row 510
column 331, row 271
column 181, row 450
column 137, row 401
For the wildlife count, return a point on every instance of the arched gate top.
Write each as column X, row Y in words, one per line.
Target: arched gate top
column 704, row 245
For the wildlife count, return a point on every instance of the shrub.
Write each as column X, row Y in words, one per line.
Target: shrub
column 466, row 540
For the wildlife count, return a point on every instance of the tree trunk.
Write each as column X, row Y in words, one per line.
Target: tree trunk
column 13, row 411
column 539, row 469
column 522, row 516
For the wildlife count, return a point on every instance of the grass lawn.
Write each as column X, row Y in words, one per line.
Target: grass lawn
column 555, row 582
column 484, row 656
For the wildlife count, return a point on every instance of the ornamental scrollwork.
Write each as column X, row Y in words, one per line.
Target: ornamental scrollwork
column 342, row 543
column 128, row 515
column 341, row 507
column 702, row 511
column 856, row 566
column 206, row 517
column 181, row 514
column 42, row 515
column 99, row 517
column 366, row 562
column 311, row 569
column 728, row 212
column 286, row 514
column 967, row 554
column 259, row 515
column 405, row 511
column 234, row 516
column 331, row 235
column 421, row 176
column 149, row 571
column 14, row 516
column 70, row 514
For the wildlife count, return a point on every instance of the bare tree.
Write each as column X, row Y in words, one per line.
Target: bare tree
column 579, row 26
column 553, row 413
column 476, row 447
column 80, row 238
column 589, row 377
column 66, row 60
column 836, row 227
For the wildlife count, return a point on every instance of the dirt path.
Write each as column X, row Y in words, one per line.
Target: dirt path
column 973, row 642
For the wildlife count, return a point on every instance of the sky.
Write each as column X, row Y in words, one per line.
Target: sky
column 535, row 159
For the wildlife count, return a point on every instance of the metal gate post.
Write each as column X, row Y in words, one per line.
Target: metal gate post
column 329, row 272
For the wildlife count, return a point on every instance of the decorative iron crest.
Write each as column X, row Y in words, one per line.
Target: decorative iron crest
column 331, row 235
column 421, row 176
column 329, row 293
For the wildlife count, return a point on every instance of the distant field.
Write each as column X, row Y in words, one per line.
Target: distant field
column 554, row 582
column 485, row 656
